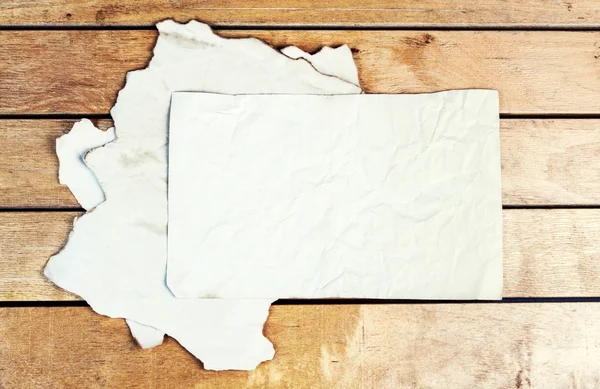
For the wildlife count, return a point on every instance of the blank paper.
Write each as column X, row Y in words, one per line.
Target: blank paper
column 356, row 196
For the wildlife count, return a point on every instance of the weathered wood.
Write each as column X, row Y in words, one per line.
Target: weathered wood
column 332, row 346
column 544, row 162
column 547, row 253
column 349, row 13
column 535, row 71
column 551, row 252
column 27, row 240
column 550, row 162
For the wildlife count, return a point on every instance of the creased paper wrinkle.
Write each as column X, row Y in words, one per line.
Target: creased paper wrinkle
column 272, row 197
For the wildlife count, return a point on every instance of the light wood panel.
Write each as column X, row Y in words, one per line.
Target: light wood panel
column 389, row 13
column 544, row 162
column 551, row 252
column 547, row 253
column 27, row 240
column 536, row 72
column 333, row 346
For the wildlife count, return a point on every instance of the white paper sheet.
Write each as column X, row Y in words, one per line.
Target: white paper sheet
column 358, row 196
column 116, row 256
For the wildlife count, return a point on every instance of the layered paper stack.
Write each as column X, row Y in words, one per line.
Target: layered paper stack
column 240, row 174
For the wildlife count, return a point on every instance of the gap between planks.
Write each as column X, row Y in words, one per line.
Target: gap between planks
column 340, row 301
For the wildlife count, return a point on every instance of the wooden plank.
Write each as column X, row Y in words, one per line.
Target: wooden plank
column 544, row 162
column 536, row 72
column 332, row 346
column 349, row 13
column 547, row 162
column 547, row 253
column 551, row 252
column 27, row 240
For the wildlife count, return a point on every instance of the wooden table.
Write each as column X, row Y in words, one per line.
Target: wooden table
column 63, row 60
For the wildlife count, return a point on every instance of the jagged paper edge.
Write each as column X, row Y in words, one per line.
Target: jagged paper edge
column 337, row 62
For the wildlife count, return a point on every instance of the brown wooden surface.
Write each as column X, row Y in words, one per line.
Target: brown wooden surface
column 550, row 162
column 544, row 162
column 547, row 253
column 536, row 72
column 343, row 13
column 334, row 346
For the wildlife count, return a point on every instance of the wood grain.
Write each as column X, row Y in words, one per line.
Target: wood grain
column 544, row 162
column 551, row 252
column 547, row 253
column 342, row 13
column 536, row 72
column 332, row 346
column 27, row 240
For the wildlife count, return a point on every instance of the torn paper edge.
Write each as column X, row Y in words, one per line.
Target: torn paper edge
column 146, row 336
column 337, row 62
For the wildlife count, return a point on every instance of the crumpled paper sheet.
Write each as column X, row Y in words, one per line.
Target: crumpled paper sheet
column 355, row 196
column 115, row 257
